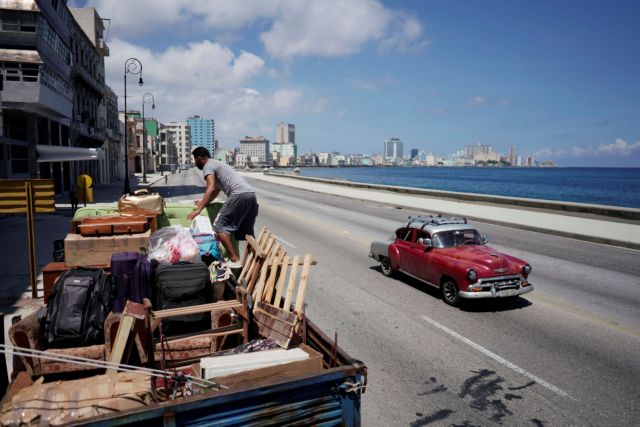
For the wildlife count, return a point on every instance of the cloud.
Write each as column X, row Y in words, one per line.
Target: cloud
column 618, row 148
column 342, row 113
column 211, row 80
column 483, row 101
column 362, row 85
column 372, row 85
column 288, row 28
column 476, row 101
column 408, row 38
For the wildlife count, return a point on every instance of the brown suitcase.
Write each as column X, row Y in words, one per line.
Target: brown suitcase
column 110, row 225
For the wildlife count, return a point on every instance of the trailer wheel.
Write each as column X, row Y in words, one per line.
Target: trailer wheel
column 450, row 293
column 385, row 266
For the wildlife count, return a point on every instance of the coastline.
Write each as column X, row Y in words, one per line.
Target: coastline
column 588, row 226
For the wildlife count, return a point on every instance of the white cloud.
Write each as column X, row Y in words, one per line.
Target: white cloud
column 618, row 148
column 482, row 101
column 292, row 28
column 342, row 113
column 408, row 36
column 209, row 79
column 476, row 101
column 362, row 85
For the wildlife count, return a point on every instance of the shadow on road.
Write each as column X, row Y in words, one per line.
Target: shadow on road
column 478, row 306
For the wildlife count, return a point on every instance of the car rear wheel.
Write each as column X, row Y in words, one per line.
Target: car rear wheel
column 450, row 293
column 385, row 266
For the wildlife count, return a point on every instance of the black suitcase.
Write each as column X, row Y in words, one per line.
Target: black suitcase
column 78, row 307
column 183, row 285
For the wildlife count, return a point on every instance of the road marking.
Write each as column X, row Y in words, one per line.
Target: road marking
column 497, row 358
column 285, row 242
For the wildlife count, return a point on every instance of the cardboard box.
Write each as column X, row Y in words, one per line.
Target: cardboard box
column 82, row 251
column 260, row 376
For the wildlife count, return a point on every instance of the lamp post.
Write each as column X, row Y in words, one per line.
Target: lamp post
column 131, row 66
column 147, row 98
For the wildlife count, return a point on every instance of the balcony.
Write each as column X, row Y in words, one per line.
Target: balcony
column 81, row 73
column 85, row 134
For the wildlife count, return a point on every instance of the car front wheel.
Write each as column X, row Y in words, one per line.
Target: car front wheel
column 385, row 266
column 450, row 293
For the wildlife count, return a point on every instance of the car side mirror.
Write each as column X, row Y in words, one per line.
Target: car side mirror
column 485, row 239
column 426, row 243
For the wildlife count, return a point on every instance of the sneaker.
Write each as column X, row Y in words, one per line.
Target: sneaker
column 234, row 264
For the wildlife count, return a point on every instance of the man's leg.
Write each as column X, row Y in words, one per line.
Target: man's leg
column 227, row 242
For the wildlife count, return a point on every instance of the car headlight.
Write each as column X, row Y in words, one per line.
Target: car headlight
column 526, row 270
column 472, row 275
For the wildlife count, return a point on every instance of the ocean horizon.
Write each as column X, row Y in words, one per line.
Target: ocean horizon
column 619, row 186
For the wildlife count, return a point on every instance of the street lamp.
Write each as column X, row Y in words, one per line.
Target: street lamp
column 131, row 66
column 147, row 98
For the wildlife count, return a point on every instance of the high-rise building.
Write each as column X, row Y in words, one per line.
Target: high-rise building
column 202, row 133
column 285, row 146
column 181, row 135
column 256, row 150
column 513, row 155
column 414, row 153
column 286, row 133
column 393, row 149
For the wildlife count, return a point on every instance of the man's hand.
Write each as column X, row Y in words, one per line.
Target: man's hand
column 193, row 215
column 197, row 202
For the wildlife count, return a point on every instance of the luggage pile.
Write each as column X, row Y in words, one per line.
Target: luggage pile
column 164, row 299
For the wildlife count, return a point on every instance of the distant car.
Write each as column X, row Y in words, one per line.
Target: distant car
column 450, row 254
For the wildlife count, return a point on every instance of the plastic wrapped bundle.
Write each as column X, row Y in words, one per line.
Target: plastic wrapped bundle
column 173, row 244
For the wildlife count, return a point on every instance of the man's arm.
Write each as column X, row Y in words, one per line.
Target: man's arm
column 210, row 194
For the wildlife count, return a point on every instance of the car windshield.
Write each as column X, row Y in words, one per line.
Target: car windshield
column 449, row 239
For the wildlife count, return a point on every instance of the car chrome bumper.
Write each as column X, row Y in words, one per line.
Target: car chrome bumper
column 497, row 294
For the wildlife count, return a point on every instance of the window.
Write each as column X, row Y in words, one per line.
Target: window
column 404, row 234
column 10, row 21
column 19, row 159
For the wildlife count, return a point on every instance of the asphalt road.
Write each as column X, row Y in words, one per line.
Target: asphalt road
column 566, row 354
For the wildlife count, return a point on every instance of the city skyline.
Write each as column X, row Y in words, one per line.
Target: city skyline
column 561, row 86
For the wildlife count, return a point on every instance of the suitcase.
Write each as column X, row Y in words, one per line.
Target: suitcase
column 110, row 225
column 134, row 275
column 183, row 285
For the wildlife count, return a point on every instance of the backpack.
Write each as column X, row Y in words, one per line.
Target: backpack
column 78, row 307
column 183, row 285
column 134, row 275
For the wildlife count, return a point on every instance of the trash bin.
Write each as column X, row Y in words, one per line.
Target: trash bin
column 85, row 188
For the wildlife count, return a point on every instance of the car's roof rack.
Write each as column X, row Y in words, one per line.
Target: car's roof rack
column 435, row 220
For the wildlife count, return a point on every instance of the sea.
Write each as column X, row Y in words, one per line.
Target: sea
column 601, row 186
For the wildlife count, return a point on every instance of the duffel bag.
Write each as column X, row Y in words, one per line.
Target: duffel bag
column 141, row 200
column 78, row 307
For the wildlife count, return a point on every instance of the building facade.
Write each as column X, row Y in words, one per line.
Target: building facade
column 182, row 139
column 393, row 149
column 256, row 150
column 54, row 100
column 286, row 133
column 202, row 133
column 167, row 155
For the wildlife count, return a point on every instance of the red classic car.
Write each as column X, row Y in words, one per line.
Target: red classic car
column 450, row 254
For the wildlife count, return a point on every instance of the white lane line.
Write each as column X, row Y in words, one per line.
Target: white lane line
column 497, row 358
column 285, row 242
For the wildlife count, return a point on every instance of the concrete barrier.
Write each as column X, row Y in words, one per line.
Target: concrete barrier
column 602, row 210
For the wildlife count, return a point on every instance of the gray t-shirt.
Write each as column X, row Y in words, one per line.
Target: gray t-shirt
column 229, row 181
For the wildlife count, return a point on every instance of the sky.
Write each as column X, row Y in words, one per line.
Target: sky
column 560, row 80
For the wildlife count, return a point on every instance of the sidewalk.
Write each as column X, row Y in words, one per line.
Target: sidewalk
column 597, row 230
column 15, row 292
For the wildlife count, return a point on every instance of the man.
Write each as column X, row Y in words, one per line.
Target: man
column 238, row 214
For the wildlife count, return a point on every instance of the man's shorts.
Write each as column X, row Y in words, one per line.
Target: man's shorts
column 238, row 215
